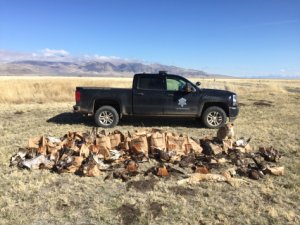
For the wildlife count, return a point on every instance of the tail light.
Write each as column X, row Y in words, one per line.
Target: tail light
column 77, row 96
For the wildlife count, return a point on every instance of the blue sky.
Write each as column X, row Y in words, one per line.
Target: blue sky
column 233, row 37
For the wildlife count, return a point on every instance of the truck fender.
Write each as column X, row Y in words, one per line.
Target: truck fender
column 206, row 104
column 97, row 103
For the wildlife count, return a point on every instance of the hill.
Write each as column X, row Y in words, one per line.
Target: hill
column 91, row 68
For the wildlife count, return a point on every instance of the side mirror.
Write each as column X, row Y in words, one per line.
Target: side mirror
column 189, row 88
column 198, row 83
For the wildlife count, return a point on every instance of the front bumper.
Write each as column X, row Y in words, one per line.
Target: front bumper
column 233, row 112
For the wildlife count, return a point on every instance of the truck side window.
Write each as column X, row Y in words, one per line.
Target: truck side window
column 150, row 83
column 175, row 84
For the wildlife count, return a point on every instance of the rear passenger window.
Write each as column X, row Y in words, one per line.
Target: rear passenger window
column 151, row 83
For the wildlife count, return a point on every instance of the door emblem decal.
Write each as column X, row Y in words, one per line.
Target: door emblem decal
column 182, row 102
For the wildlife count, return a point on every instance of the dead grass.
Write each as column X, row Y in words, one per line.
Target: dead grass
column 61, row 89
column 41, row 197
column 51, row 89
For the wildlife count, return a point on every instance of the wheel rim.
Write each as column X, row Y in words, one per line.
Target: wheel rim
column 214, row 118
column 106, row 118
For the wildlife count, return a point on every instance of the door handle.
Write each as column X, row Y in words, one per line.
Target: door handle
column 171, row 95
column 140, row 93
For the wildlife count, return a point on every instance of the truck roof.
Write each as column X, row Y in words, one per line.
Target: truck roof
column 159, row 73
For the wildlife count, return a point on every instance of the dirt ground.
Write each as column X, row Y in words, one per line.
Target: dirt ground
column 42, row 197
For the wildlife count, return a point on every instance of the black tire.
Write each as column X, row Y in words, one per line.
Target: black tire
column 106, row 116
column 214, row 117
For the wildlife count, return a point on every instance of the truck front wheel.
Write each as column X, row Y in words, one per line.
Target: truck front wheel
column 214, row 117
column 106, row 116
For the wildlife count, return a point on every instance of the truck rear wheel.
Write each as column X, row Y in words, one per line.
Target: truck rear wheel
column 214, row 117
column 106, row 116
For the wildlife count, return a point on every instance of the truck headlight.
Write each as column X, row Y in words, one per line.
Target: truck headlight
column 234, row 100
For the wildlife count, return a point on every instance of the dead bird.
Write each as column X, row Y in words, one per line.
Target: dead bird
column 68, row 151
column 210, row 147
column 163, row 170
column 200, row 169
column 237, row 157
column 160, row 155
column 131, row 166
column 129, row 169
column 160, row 170
column 17, row 158
column 243, row 171
column 254, row 174
column 36, row 162
column 120, row 174
column 269, row 154
column 187, row 160
column 204, row 143
column 139, row 157
column 62, row 164
column 22, row 155
column 89, row 167
column 259, row 164
column 242, row 142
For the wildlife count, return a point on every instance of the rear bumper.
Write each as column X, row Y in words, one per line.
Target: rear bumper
column 76, row 108
column 233, row 112
column 79, row 109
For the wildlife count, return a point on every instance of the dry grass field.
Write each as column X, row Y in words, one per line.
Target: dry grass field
column 269, row 113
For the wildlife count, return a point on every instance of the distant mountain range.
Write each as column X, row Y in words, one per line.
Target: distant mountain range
column 51, row 62
column 91, row 68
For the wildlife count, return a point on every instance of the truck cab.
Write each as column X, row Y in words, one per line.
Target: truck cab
column 165, row 94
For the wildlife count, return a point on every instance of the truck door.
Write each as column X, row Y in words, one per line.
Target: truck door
column 177, row 100
column 148, row 95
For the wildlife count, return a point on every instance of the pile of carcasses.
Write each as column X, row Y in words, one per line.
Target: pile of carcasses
column 159, row 152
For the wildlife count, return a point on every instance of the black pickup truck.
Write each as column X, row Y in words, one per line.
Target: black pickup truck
column 159, row 95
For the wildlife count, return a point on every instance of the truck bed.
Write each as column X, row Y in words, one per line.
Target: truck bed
column 89, row 95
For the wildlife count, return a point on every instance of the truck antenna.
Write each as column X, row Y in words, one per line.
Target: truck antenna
column 162, row 72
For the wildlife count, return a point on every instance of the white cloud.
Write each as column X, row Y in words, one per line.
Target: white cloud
column 54, row 52
column 282, row 70
column 8, row 56
column 104, row 58
column 57, row 55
